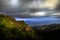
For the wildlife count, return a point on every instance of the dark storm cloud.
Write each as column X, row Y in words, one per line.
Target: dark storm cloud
column 58, row 7
column 26, row 8
column 25, row 1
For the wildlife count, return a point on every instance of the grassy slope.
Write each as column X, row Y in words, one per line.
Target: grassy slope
column 10, row 29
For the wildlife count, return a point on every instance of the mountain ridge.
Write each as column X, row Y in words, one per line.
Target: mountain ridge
column 10, row 29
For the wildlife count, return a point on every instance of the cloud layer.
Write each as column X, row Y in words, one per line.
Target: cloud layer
column 29, row 8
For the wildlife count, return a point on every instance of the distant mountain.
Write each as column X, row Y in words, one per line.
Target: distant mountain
column 48, row 32
column 50, row 27
column 10, row 29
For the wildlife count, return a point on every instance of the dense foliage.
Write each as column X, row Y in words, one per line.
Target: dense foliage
column 10, row 29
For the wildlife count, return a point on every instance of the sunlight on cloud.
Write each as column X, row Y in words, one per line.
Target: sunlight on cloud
column 56, row 14
column 8, row 4
column 50, row 4
column 14, row 3
column 39, row 14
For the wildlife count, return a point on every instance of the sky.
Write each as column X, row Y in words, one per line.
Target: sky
column 30, row 10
